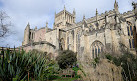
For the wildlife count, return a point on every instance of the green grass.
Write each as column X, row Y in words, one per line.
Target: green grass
column 66, row 79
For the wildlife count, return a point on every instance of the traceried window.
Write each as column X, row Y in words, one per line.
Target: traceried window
column 96, row 49
column 130, row 34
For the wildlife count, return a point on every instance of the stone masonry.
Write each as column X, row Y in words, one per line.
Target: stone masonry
column 110, row 32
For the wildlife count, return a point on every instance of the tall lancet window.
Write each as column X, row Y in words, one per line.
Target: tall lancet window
column 131, row 34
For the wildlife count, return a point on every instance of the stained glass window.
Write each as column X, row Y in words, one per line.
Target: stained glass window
column 130, row 34
column 97, row 48
column 128, row 30
column 96, row 52
column 131, row 30
column 130, row 43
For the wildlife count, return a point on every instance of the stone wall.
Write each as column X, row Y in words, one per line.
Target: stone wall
column 104, row 71
column 39, row 35
column 43, row 46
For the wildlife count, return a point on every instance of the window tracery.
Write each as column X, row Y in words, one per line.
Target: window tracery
column 130, row 34
column 96, row 49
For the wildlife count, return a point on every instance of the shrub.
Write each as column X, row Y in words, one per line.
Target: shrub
column 66, row 59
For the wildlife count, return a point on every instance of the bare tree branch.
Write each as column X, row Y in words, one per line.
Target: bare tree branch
column 4, row 24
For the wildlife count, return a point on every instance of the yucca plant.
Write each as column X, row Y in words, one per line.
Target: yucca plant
column 17, row 65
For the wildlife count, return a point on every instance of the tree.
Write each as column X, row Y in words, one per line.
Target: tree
column 4, row 24
column 66, row 59
column 128, row 62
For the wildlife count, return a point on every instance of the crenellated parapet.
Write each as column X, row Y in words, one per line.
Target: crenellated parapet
column 128, row 14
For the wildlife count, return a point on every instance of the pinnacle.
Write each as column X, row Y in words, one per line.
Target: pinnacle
column 96, row 11
column 64, row 7
column 46, row 24
column 83, row 16
column 28, row 23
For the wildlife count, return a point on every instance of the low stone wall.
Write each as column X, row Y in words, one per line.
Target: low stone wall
column 43, row 46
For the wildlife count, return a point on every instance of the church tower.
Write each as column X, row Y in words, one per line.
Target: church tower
column 64, row 19
column 26, row 35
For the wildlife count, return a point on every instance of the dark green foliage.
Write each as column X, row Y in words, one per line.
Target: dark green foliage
column 66, row 59
column 53, row 77
column 75, row 69
column 16, row 65
column 117, row 61
column 109, row 57
column 129, row 64
column 51, row 72
column 96, row 60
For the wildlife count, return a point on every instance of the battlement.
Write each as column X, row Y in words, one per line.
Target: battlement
column 128, row 13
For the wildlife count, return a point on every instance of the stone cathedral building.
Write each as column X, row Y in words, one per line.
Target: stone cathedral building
column 110, row 32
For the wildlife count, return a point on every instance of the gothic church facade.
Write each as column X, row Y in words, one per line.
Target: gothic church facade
column 110, row 32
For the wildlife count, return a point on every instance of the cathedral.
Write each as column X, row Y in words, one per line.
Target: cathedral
column 110, row 32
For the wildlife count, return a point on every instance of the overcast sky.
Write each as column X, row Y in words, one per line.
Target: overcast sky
column 38, row 12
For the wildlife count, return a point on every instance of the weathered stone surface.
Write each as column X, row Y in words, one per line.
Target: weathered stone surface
column 104, row 71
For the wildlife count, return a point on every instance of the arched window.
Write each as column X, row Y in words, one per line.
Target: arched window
column 96, row 49
column 130, row 28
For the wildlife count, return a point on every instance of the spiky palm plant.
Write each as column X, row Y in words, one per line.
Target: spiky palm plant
column 17, row 65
